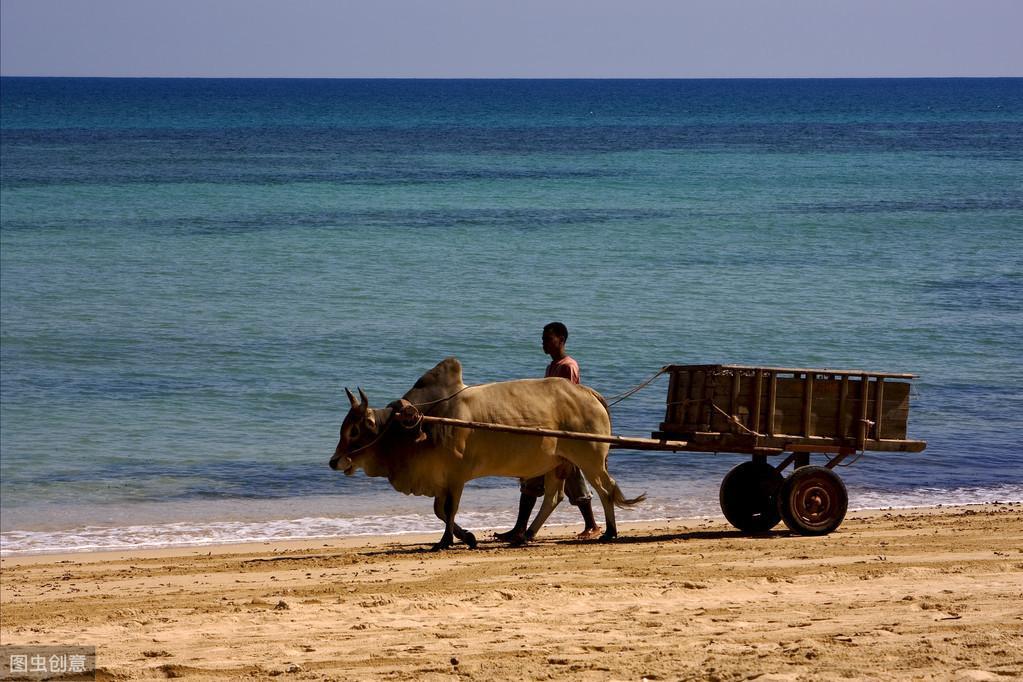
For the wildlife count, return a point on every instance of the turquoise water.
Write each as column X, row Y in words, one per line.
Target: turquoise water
column 193, row 270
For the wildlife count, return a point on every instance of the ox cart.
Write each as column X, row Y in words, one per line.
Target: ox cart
column 770, row 412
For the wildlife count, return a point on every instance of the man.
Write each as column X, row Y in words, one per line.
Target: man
column 555, row 335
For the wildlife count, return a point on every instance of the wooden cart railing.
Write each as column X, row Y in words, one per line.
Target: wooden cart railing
column 738, row 408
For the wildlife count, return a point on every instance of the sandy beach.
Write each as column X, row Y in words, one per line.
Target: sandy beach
column 902, row 594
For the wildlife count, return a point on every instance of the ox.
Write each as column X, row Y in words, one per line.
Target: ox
column 439, row 462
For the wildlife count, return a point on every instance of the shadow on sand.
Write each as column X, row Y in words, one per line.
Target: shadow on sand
column 490, row 544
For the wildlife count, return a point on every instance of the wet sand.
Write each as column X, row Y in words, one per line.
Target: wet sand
column 910, row 594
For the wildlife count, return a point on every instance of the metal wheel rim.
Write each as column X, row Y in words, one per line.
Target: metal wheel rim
column 814, row 504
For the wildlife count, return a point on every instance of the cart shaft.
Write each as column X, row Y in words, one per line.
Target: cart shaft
column 618, row 441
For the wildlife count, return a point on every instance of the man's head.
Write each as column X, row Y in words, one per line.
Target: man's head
column 555, row 335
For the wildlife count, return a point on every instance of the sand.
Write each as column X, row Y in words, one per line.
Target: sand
column 911, row 594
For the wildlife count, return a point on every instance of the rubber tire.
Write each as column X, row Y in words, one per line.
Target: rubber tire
column 748, row 497
column 813, row 501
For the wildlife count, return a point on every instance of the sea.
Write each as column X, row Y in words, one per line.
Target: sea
column 193, row 271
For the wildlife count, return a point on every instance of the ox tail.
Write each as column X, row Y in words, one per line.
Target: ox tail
column 621, row 502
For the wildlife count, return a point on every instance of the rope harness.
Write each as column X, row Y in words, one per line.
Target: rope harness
column 615, row 399
column 408, row 416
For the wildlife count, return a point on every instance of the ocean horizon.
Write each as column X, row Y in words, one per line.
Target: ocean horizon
column 192, row 270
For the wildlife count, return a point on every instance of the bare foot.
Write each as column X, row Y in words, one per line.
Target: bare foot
column 589, row 533
column 508, row 535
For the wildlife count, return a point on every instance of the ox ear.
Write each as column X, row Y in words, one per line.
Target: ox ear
column 365, row 400
column 351, row 398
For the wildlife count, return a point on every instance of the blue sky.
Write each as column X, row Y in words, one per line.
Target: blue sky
column 513, row 38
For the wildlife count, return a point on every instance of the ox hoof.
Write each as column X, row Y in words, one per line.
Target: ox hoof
column 441, row 545
column 470, row 540
column 608, row 536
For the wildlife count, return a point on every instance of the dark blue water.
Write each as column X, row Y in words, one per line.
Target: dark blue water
column 192, row 270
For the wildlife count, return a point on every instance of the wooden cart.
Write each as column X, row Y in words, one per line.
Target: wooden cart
column 769, row 412
column 795, row 412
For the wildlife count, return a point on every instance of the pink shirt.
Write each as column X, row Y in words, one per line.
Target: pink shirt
column 566, row 368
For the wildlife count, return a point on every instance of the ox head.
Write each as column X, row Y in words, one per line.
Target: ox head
column 360, row 431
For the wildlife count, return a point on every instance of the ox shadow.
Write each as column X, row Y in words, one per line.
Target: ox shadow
column 489, row 545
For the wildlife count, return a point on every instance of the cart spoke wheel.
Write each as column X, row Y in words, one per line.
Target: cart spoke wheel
column 748, row 496
column 813, row 501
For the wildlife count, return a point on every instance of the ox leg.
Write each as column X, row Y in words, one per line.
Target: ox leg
column 553, row 494
column 446, row 505
column 462, row 534
column 591, row 458
column 605, row 487
column 611, row 526
column 449, row 507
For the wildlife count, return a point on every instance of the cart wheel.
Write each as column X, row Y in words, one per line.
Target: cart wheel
column 813, row 501
column 748, row 496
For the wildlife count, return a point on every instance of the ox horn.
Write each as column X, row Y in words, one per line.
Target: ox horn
column 365, row 400
column 351, row 398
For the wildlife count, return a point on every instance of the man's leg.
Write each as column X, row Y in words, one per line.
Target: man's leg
column 579, row 495
column 531, row 489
